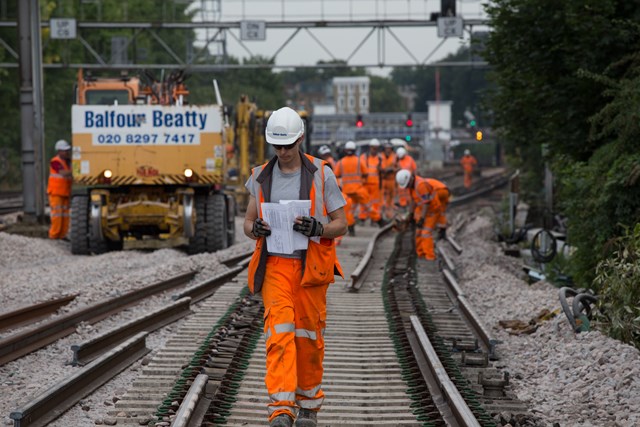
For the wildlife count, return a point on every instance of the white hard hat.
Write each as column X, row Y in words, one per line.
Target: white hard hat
column 374, row 143
column 62, row 145
column 401, row 152
column 324, row 150
column 350, row 145
column 403, row 177
column 284, row 127
column 467, row 152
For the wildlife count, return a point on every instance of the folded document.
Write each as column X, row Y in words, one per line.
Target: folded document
column 281, row 217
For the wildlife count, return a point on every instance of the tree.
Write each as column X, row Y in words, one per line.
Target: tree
column 384, row 96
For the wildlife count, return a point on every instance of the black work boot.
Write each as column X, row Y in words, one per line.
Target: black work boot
column 306, row 418
column 282, row 420
column 382, row 223
column 352, row 230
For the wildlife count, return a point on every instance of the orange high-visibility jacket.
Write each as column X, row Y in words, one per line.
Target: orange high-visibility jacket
column 372, row 165
column 59, row 185
column 389, row 163
column 468, row 162
column 408, row 163
column 351, row 171
column 320, row 263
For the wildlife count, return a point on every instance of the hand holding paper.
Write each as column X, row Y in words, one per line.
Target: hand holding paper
column 309, row 226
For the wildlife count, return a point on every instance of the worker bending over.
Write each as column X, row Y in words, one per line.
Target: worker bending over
column 294, row 286
column 405, row 161
column 428, row 210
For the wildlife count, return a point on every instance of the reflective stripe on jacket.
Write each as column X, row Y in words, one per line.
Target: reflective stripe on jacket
column 372, row 165
column 320, row 263
column 349, row 170
column 59, row 185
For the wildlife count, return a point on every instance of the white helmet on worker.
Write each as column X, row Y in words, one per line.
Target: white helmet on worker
column 284, row 127
column 401, row 152
column 467, row 152
column 62, row 145
column 403, row 177
column 350, row 145
column 374, row 143
column 324, row 150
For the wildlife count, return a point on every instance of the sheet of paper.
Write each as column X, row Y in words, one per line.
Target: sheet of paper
column 278, row 217
column 298, row 208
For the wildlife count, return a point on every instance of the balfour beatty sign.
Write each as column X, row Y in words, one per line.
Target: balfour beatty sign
column 136, row 125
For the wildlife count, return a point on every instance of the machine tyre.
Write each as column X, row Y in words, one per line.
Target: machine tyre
column 231, row 221
column 216, row 222
column 198, row 243
column 79, row 228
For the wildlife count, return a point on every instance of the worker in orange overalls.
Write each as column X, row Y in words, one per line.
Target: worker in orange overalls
column 294, row 286
column 372, row 162
column 427, row 213
column 389, row 167
column 405, row 161
column 443, row 194
column 59, row 190
column 324, row 153
column 352, row 174
column 468, row 163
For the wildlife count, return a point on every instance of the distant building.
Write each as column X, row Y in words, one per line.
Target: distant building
column 351, row 95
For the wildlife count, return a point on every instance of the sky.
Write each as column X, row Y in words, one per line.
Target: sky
column 340, row 43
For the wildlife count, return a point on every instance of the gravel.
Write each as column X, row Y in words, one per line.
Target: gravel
column 586, row 379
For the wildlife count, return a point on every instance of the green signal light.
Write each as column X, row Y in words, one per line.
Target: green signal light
column 472, row 123
column 407, row 138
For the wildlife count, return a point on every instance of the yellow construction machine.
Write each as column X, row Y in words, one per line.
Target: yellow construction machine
column 148, row 168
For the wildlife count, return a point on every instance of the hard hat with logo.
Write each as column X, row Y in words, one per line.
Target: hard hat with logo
column 467, row 152
column 350, row 145
column 284, row 127
column 374, row 143
column 62, row 145
column 403, row 177
column 324, row 150
column 401, row 152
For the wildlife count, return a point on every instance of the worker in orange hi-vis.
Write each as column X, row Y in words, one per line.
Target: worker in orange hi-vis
column 351, row 174
column 427, row 212
column 468, row 163
column 59, row 190
column 324, row 153
column 443, row 194
column 405, row 161
column 389, row 168
column 294, row 283
column 373, row 163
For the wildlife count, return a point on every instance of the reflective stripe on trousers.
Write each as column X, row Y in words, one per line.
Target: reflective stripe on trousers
column 294, row 323
column 371, row 209
column 59, row 216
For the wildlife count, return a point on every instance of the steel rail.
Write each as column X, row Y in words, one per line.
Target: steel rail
column 363, row 266
column 62, row 396
column 455, row 245
column 207, row 287
column 489, row 184
column 235, row 259
column 479, row 329
column 456, row 403
column 23, row 343
column 87, row 351
column 32, row 313
column 193, row 403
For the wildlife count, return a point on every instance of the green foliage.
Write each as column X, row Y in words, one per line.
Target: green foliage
column 617, row 279
column 384, row 96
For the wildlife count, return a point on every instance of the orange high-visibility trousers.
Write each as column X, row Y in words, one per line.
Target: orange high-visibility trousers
column 371, row 209
column 294, row 323
column 360, row 197
column 388, row 196
column 424, row 236
column 59, row 216
column 467, row 179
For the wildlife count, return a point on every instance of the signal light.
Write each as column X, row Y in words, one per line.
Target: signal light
column 472, row 123
column 407, row 138
column 359, row 122
column 409, row 121
column 479, row 136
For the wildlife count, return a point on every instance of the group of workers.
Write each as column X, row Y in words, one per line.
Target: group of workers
column 294, row 285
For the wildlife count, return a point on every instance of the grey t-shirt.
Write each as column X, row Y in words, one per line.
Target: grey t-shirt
column 286, row 186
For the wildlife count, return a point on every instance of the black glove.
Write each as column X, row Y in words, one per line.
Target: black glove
column 259, row 228
column 310, row 226
column 442, row 233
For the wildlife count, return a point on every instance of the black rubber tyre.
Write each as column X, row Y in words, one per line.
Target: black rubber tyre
column 216, row 214
column 79, row 228
column 231, row 221
column 198, row 243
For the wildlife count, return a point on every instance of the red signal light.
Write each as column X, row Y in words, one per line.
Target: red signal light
column 409, row 121
column 359, row 121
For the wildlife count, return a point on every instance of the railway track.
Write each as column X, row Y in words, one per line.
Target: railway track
column 212, row 372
